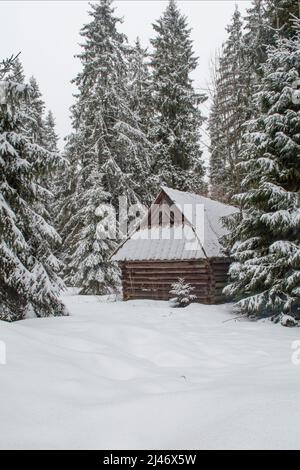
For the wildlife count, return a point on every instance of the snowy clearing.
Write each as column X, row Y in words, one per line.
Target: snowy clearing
column 143, row 375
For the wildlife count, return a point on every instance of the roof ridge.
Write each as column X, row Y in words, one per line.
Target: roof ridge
column 167, row 188
column 191, row 222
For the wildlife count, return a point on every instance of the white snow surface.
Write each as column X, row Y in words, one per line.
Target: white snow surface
column 140, row 374
column 161, row 243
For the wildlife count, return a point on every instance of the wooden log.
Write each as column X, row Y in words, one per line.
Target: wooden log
column 157, row 286
column 161, row 265
column 129, row 296
column 163, row 288
column 169, row 279
column 220, row 285
column 165, row 270
column 161, row 282
column 182, row 272
column 153, row 279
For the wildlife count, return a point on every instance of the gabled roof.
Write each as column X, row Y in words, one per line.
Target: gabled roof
column 192, row 241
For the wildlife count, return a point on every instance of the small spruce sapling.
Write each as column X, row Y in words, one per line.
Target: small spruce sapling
column 183, row 293
column 288, row 321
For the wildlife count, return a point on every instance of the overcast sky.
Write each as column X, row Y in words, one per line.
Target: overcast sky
column 47, row 35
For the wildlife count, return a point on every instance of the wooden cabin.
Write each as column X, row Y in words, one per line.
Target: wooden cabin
column 178, row 238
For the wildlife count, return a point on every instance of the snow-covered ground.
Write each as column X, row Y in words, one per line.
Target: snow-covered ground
column 143, row 375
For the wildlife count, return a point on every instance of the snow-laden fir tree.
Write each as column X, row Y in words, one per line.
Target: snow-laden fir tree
column 182, row 292
column 230, row 109
column 40, row 129
column 258, row 35
column 141, row 104
column 88, row 231
column 67, row 182
column 35, row 111
column 16, row 72
column 238, row 72
column 176, row 132
column 51, row 137
column 218, row 164
column 265, row 19
column 55, row 184
column 111, row 130
column 140, row 84
column 265, row 277
column 235, row 75
column 29, row 280
column 66, row 199
column 280, row 15
column 89, row 263
column 107, row 132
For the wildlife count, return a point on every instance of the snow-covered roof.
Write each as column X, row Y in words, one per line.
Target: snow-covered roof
column 198, row 238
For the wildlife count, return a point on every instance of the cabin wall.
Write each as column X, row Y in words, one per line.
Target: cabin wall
column 153, row 279
column 219, row 271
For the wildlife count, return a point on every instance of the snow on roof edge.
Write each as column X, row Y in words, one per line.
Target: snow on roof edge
column 213, row 212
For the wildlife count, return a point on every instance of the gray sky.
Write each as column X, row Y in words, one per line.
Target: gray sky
column 47, row 35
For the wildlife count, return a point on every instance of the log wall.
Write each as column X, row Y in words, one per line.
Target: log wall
column 153, row 279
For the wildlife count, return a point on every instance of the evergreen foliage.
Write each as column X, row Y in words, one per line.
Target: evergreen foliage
column 230, row 109
column 94, row 242
column 182, row 292
column 265, row 277
column 109, row 141
column 177, row 118
column 29, row 280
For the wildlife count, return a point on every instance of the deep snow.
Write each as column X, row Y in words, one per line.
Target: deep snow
column 143, row 375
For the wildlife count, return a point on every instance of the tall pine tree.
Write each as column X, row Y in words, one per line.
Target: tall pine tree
column 89, row 266
column 264, row 20
column 66, row 201
column 229, row 111
column 56, row 184
column 176, row 131
column 280, row 15
column 238, row 73
column 111, row 132
column 35, row 111
column 141, row 104
column 29, row 280
column 110, row 135
column 265, row 277
column 51, row 137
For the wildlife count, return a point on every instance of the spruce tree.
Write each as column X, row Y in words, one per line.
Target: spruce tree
column 265, row 278
column 176, row 132
column 29, row 280
column 50, row 137
column 229, row 111
column 66, row 201
column 141, row 105
column 112, row 143
column 264, row 20
column 89, row 264
column 35, row 111
column 57, row 183
column 16, row 73
column 140, row 83
column 258, row 35
column 238, row 73
column 109, row 127
column 280, row 15
column 219, row 173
